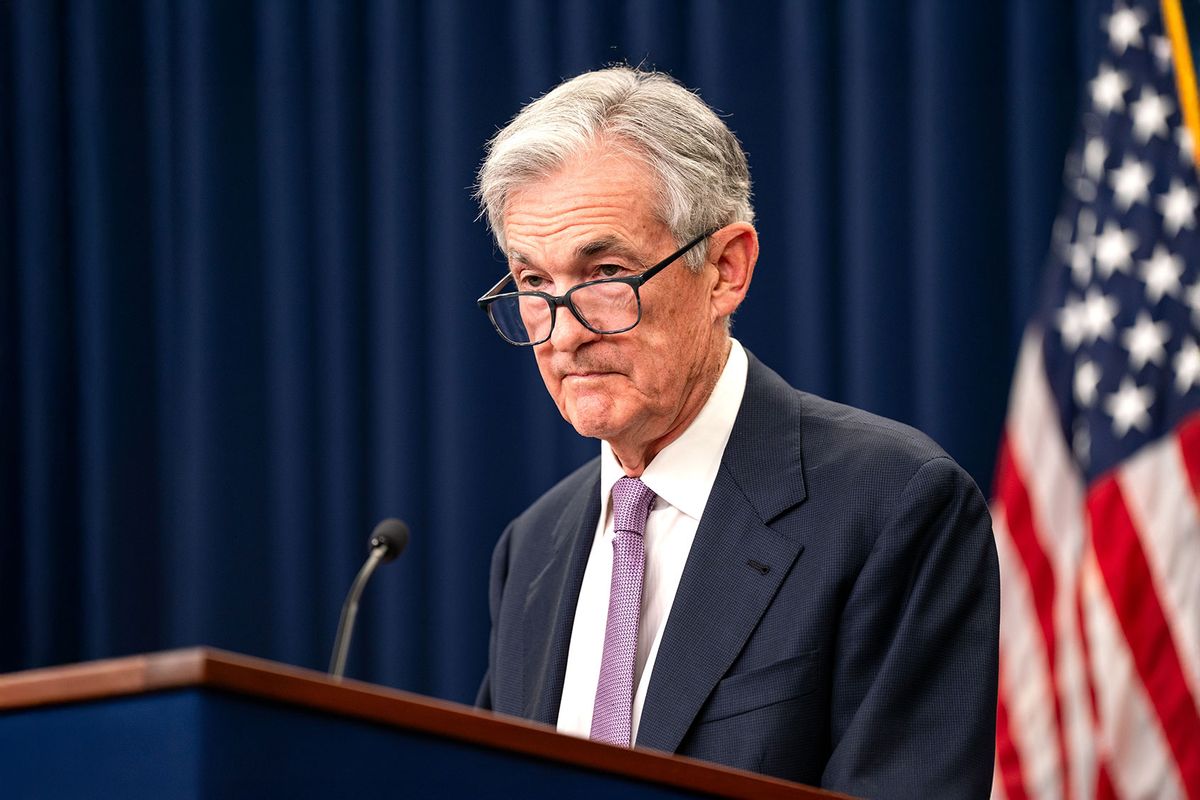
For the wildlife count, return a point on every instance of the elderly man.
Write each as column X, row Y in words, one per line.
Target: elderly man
column 747, row 574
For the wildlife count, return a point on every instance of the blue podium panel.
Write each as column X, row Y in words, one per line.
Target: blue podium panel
column 204, row 743
column 144, row 746
column 141, row 746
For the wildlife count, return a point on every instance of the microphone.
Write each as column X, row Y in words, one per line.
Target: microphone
column 387, row 541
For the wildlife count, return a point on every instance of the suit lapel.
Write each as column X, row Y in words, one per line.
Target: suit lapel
column 551, row 601
column 737, row 561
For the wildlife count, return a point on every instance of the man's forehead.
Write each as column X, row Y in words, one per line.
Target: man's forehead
column 601, row 245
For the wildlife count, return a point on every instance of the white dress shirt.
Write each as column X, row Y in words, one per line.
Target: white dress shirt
column 681, row 475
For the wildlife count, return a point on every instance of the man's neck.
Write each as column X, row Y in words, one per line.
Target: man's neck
column 635, row 456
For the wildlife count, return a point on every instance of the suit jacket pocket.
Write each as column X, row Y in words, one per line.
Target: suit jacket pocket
column 764, row 686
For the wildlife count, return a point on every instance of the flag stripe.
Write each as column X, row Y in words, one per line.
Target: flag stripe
column 1104, row 788
column 1139, row 614
column 1008, row 760
column 1024, row 679
column 1104, row 785
column 1189, row 446
column 998, row 792
column 1010, row 490
column 1052, row 481
column 1044, row 716
column 1162, row 505
column 1056, row 495
column 1129, row 738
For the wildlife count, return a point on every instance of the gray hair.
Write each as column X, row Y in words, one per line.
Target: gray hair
column 703, row 178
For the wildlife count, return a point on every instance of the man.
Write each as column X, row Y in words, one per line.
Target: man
column 747, row 574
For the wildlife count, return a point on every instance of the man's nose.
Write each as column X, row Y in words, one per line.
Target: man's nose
column 569, row 333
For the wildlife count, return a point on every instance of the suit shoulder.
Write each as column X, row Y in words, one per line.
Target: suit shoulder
column 854, row 449
column 873, row 463
column 860, row 473
column 823, row 432
column 788, row 445
column 835, row 429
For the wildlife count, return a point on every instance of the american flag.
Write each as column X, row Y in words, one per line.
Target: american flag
column 1097, row 496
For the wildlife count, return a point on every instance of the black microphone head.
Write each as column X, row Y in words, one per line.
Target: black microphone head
column 392, row 536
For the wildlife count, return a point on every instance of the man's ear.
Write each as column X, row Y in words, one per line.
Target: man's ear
column 733, row 251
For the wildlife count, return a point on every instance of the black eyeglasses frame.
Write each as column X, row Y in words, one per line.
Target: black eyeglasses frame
column 564, row 300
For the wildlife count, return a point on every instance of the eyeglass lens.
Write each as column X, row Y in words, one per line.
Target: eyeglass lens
column 604, row 307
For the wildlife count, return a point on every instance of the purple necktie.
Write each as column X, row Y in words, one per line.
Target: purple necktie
column 612, row 714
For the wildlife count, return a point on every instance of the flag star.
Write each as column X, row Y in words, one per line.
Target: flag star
column 1162, row 272
column 1125, row 29
column 1080, row 258
column 1187, row 366
column 1085, row 190
column 1183, row 138
column 1082, row 441
column 1146, row 341
column 1072, row 167
column 1114, row 249
column 1131, row 182
column 1108, row 89
column 1081, row 254
column 1192, row 298
column 1129, row 407
column 1060, row 235
column 1087, row 223
column 1087, row 382
column 1150, row 112
column 1098, row 315
column 1161, row 47
column 1178, row 207
column 1073, row 323
column 1095, row 153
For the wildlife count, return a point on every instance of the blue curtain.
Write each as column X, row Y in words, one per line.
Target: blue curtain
column 238, row 259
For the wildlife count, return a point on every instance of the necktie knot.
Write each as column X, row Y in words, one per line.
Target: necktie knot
column 631, row 505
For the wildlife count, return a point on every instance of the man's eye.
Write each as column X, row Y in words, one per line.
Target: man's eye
column 609, row 270
column 533, row 282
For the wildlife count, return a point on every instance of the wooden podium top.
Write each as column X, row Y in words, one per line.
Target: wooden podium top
column 258, row 678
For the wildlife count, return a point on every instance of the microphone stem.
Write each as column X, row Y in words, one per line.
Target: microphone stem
column 341, row 646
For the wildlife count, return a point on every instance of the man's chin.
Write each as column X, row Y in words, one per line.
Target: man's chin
column 593, row 423
column 592, row 429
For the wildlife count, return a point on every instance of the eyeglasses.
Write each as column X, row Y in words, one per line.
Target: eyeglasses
column 604, row 306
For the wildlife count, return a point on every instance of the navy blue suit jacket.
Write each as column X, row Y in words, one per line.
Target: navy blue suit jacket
column 837, row 619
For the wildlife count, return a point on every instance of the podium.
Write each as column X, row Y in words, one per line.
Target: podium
column 203, row 723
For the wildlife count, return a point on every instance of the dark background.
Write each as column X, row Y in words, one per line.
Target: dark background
column 238, row 260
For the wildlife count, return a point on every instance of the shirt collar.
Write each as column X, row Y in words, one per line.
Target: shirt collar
column 683, row 473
